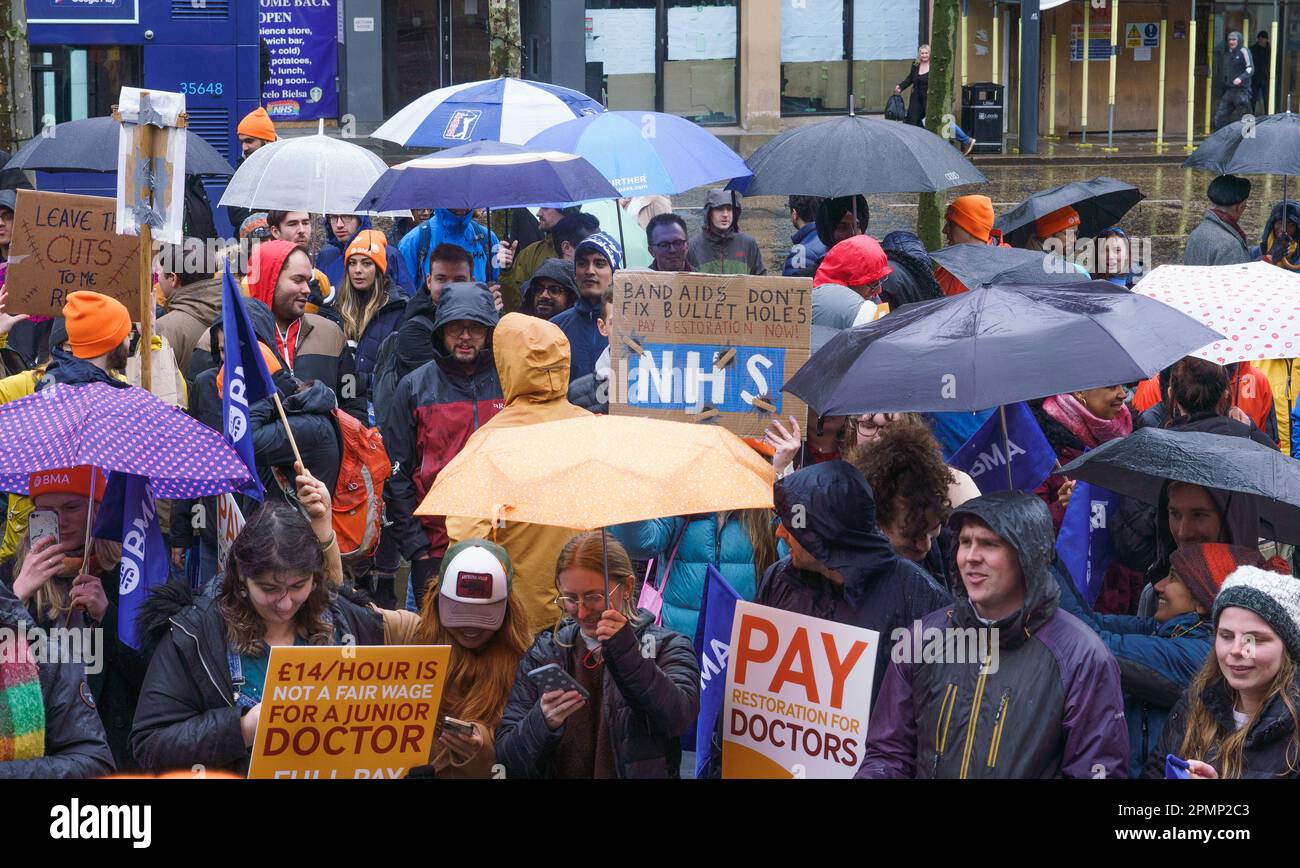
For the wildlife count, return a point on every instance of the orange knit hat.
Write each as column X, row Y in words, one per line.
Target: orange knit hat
column 272, row 368
column 67, row 480
column 370, row 243
column 96, row 323
column 1058, row 221
column 257, row 124
column 974, row 214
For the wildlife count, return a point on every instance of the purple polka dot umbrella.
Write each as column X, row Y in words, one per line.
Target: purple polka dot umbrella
column 123, row 429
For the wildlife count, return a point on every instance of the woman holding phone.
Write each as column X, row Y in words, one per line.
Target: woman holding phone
column 603, row 694
column 201, row 699
column 474, row 609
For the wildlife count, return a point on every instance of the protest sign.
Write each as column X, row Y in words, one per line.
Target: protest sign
column 347, row 711
column 708, row 347
column 63, row 243
column 798, row 695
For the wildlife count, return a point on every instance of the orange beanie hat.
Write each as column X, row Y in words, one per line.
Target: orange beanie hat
column 96, row 323
column 257, row 124
column 67, row 480
column 974, row 214
column 1058, row 221
column 272, row 368
column 370, row 243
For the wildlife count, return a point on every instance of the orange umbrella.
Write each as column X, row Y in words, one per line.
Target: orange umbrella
column 596, row 471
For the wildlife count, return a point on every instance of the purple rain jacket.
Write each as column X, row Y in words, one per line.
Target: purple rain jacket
column 1052, row 707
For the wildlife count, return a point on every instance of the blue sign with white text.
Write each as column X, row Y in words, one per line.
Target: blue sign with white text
column 83, row 11
column 682, row 377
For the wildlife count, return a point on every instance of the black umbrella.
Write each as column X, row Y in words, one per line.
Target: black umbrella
column 983, row 264
column 852, row 154
column 995, row 346
column 1256, row 146
column 1101, row 202
column 12, row 179
column 1140, row 464
column 90, row 145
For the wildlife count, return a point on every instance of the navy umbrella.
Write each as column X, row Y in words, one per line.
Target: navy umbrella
column 90, row 145
column 983, row 264
column 1256, row 146
column 852, row 154
column 487, row 175
column 1139, row 465
column 995, row 346
column 1100, row 201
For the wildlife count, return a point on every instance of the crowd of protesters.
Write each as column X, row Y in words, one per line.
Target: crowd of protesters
column 435, row 331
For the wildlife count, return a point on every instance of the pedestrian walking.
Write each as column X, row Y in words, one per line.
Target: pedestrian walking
column 1237, row 69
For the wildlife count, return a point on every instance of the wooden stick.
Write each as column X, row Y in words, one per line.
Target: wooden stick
column 297, row 456
column 90, row 521
column 725, row 359
column 146, row 273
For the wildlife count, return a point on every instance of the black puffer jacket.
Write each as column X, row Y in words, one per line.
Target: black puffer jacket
column 404, row 350
column 384, row 323
column 647, row 704
column 187, row 713
column 74, row 737
column 1267, row 743
column 310, row 415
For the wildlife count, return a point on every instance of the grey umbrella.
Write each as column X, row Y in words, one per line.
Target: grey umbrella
column 1256, row 146
column 1139, row 465
column 854, row 154
column 1100, row 201
column 90, row 145
column 983, row 264
column 994, row 346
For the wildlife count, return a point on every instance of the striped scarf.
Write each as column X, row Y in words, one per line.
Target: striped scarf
column 22, row 707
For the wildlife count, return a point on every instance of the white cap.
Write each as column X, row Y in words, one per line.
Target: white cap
column 473, row 589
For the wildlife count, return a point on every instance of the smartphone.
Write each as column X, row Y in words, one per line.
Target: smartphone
column 42, row 523
column 460, row 727
column 553, row 677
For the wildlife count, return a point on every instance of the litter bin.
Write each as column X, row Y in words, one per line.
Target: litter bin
column 982, row 105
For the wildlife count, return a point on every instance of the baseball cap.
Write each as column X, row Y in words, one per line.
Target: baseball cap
column 473, row 585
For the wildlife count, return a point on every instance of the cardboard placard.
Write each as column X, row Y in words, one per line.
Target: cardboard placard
column 348, row 711
column 798, row 695
column 708, row 348
column 63, row 243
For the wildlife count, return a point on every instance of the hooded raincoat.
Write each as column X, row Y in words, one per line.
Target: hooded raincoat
column 532, row 361
column 730, row 252
column 1047, row 705
column 444, row 227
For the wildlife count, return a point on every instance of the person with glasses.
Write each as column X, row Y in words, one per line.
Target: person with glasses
column 434, row 411
column 669, row 245
column 639, row 683
column 201, row 699
column 552, row 289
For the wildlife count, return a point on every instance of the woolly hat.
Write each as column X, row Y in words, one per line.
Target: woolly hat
column 1203, row 567
column 972, row 213
column 1272, row 596
column 67, row 480
column 371, row 244
column 257, row 124
column 1228, row 190
column 856, row 261
column 255, row 226
column 605, row 245
column 264, row 271
column 1058, row 221
column 96, row 323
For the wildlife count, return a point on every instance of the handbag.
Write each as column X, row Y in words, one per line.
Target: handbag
column 894, row 108
column 652, row 598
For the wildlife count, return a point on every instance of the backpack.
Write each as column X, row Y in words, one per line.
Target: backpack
column 358, row 497
column 895, row 110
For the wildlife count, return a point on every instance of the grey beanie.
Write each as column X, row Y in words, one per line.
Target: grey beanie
column 1275, row 597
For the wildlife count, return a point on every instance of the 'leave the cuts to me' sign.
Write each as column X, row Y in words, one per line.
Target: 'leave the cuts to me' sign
column 708, row 347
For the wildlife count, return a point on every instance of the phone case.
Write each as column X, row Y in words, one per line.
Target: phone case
column 552, row 677
column 42, row 524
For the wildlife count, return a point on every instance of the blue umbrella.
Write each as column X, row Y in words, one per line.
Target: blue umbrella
column 643, row 153
column 487, row 175
column 501, row 109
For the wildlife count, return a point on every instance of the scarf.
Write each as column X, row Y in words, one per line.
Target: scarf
column 1231, row 221
column 1090, row 429
column 22, row 707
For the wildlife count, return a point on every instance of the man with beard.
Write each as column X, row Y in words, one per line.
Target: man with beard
column 551, row 290
column 254, row 131
column 528, row 260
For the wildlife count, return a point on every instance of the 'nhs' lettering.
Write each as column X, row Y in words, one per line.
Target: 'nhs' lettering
column 682, row 377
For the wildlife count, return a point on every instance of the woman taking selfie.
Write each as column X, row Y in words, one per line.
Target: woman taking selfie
column 617, row 692
column 202, row 695
column 474, row 609
column 1240, row 718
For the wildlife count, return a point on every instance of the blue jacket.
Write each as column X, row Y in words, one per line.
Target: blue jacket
column 586, row 343
column 813, row 251
column 701, row 544
column 445, row 227
column 381, row 326
column 1157, row 662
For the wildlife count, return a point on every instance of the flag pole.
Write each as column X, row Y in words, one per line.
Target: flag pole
column 297, row 456
column 1006, row 447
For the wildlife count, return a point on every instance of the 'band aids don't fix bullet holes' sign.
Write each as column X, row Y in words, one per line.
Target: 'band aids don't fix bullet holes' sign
column 798, row 695
column 347, row 711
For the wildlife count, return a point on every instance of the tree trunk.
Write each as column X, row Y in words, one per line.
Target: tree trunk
column 939, row 117
column 15, row 76
column 503, row 28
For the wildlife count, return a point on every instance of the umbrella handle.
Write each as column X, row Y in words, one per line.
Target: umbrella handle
column 90, row 521
column 604, row 557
